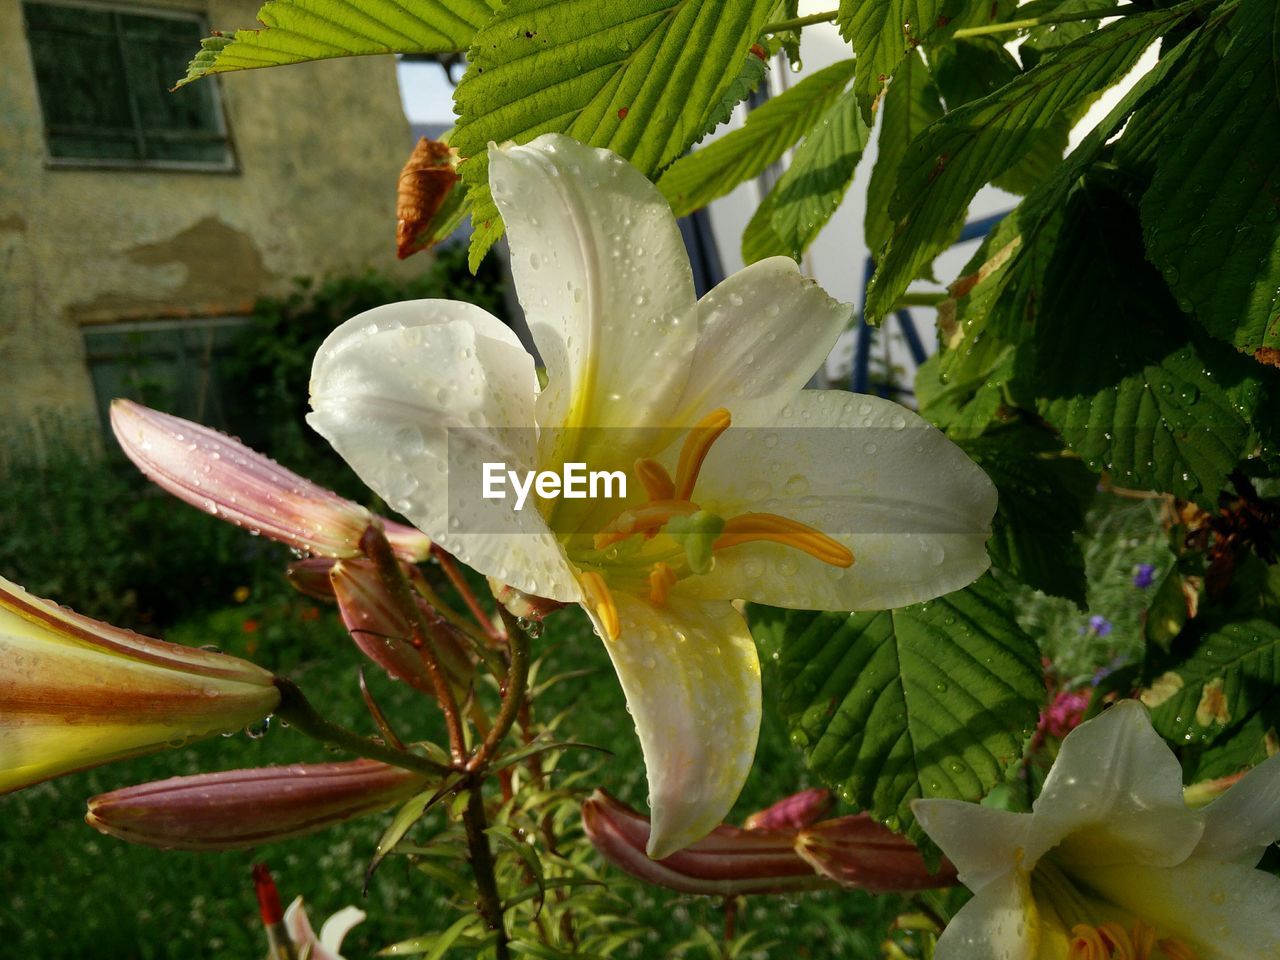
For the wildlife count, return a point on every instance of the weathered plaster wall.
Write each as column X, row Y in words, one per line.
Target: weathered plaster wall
column 319, row 147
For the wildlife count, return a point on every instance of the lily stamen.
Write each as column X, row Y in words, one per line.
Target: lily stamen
column 601, row 601
column 696, row 447
column 661, row 580
column 747, row 527
column 649, row 518
column 1110, row 941
column 657, row 482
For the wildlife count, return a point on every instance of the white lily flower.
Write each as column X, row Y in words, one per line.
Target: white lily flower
column 1112, row 863
column 646, row 379
column 332, row 933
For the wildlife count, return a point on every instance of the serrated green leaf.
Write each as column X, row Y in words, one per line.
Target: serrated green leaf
column 973, row 145
column 910, row 105
column 635, row 78
column 930, row 700
column 296, row 31
column 1244, row 746
column 694, row 181
column 1044, row 493
column 1047, row 37
column 961, row 407
column 882, row 31
column 1210, row 213
column 744, row 84
column 811, row 188
column 1157, row 407
column 968, row 70
column 1230, row 673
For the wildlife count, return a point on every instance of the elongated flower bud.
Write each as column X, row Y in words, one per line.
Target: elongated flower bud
column 213, row 472
column 382, row 632
column 858, row 852
column 75, row 693
column 793, row 812
column 727, row 861
column 237, row 809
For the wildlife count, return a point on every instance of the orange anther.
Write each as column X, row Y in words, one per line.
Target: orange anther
column 768, row 526
column 696, row 446
column 661, row 580
column 601, row 601
column 657, row 482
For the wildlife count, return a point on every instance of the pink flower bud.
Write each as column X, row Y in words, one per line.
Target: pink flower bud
column 237, row 809
column 858, row 852
column 75, row 693
column 793, row 812
column 310, row 577
column 523, row 605
column 382, row 631
column 728, row 861
column 212, row 471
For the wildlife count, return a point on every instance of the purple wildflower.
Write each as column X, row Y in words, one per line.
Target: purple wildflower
column 1145, row 576
column 1099, row 625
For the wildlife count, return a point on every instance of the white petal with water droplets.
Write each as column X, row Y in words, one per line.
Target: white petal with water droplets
column 1114, row 795
column 605, row 282
column 761, row 334
column 692, row 681
column 417, row 396
column 981, row 841
column 999, row 923
column 1241, row 824
column 915, row 511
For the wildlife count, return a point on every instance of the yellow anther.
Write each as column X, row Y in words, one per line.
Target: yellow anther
column 647, row 519
column 601, row 601
column 661, row 580
column 696, row 446
column 767, row 526
column 657, row 482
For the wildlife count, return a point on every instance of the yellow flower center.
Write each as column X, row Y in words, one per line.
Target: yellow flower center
column 1094, row 940
column 649, row 548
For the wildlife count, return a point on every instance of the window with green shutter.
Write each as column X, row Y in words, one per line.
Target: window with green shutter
column 104, row 75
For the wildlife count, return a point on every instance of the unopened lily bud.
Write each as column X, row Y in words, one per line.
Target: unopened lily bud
column 76, row 693
column 381, row 629
column 794, row 812
column 216, row 473
column 310, row 577
column 237, row 809
column 727, row 861
column 858, row 852
column 524, row 606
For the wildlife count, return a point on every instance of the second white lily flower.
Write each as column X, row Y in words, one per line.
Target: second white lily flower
column 811, row 499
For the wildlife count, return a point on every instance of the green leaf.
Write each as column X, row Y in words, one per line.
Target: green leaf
column 882, row 31
column 811, row 188
column 1210, row 215
column 973, row 145
column 1158, row 406
column 638, row 78
column 911, row 104
column 930, row 700
column 1043, row 39
column 414, row 809
column 1244, row 746
column 295, row 31
column 753, row 71
column 432, row 946
column 1230, row 673
column 1044, row 493
column 961, row 407
column 712, row 171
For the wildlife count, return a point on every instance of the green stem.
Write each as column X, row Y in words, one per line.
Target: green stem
column 514, row 687
column 489, row 901
column 797, row 22
column 297, row 711
column 1011, row 25
column 921, row 298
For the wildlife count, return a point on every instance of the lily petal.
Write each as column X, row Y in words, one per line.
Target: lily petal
column 1224, row 911
column 849, row 466
column 981, row 841
column 1243, row 822
column 751, row 357
column 1000, row 923
column 1114, row 795
column 417, row 396
column 692, row 681
column 605, row 283
column 334, row 930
